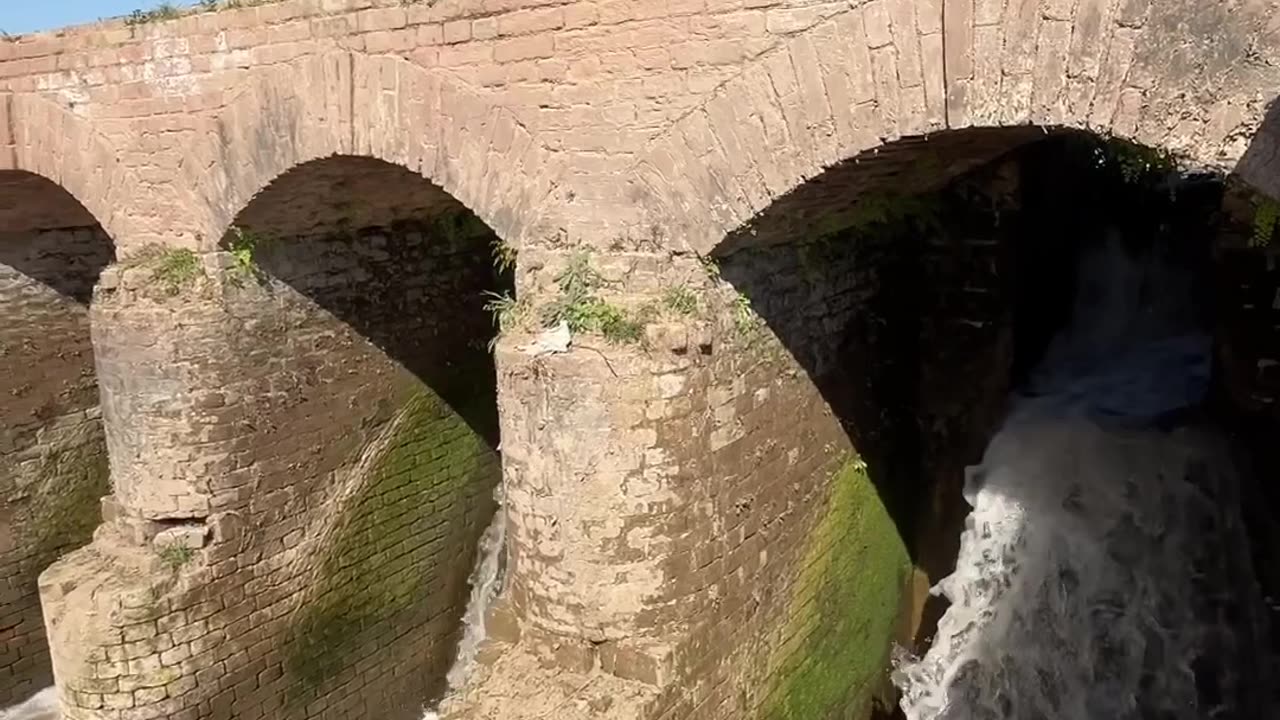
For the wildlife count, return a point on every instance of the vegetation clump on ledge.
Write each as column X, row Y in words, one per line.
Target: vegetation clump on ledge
column 577, row 305
column 172, row 269
column 176, row 555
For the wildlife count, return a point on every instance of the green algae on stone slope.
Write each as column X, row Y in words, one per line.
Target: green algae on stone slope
column 400, row 556
column 845, row 605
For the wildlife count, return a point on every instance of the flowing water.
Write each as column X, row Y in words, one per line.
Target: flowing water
column 41, row 706
column 486, row 583
column 1104, row 570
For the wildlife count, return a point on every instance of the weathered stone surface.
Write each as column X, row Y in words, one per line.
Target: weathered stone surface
column 327, row 396
column 641, row 479
column 53, row 464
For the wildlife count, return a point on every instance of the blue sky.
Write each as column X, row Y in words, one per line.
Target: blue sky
column 23, row 16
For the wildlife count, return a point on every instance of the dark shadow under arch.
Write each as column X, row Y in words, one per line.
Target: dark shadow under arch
column 373, row 285
column 53, row 457
column 918, row 283
column 392, row 256
column 31, row 205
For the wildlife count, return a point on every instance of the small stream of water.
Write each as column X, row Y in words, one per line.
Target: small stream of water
column 486, row 583
column 41, row 706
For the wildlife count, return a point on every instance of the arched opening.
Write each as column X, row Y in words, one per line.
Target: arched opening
column 376, row 447
column 53, row 458
column 927, row 290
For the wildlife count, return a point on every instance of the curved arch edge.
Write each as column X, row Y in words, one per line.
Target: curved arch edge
column 854, row 82
column 39, row 136
column 381, row 107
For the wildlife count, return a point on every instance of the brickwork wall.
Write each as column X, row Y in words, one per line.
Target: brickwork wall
column 1247, row 285
column 331, row 408
column 648, row 131
column 610, row 117
column 53, row 465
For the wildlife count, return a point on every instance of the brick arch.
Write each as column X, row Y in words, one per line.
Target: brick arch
column 891, row 69
column 39, row 136
column 380, row 107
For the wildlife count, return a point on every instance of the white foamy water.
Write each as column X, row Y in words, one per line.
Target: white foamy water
column 41, row 706
column 1104, row 571
column 486, row 583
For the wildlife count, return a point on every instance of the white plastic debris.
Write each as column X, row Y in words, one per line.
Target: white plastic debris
column 553, row 340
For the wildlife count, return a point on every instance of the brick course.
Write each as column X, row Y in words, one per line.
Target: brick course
column 53, row 464
column 646, row 131
column 328, row 442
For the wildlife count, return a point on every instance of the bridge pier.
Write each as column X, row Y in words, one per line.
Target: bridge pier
column 666, row 493
column 295, row 511
column 710, row 490
column 156, row 600
column 53, row 459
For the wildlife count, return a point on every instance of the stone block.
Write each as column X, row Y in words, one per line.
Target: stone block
column 649, row 663
column 501, row 624
column 191, row 536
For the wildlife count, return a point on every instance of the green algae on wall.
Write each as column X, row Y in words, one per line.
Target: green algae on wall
column 65, row 507
column 844, row 607
column 402, row 552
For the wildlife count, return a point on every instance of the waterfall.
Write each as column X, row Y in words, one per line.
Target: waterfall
column 1104, row 571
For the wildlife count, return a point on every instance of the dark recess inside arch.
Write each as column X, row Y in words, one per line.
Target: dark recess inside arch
column 31, row 205
column 903, row 337
column 374, row 220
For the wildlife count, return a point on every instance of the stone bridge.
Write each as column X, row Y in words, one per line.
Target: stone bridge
column 256, row 406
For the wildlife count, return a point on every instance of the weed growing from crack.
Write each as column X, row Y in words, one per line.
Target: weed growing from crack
column 243, row 247
column 175, row 268
column 504, row 256
column 175, row 555
column 680, row 300
column 163, row 11
column 1265, row 218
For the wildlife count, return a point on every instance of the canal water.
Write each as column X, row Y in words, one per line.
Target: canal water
column 1104, row 571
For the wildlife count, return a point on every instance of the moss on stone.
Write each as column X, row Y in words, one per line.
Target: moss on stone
column 65, row 507
column 403, row 548
column 845, row 606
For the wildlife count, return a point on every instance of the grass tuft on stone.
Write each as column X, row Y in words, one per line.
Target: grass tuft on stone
column 175, row 268
column 680, row 300
column 578, row 306
column 175, row 555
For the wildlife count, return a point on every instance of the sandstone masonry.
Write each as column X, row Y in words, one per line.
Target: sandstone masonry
column 53, row 463
column 303, row 201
